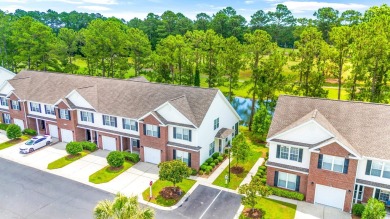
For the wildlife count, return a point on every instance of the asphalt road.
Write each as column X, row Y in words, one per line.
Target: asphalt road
column 26, row 192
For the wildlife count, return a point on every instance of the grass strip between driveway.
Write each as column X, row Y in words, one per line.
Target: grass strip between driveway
column 106, row 174
column 13, row 142
column 274, row 209
column 63, row 161
column 157, row 186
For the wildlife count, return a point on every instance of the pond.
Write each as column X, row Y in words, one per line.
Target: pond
column 243, row 108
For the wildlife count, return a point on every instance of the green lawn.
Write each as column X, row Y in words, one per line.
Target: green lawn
column 105, row 174
column 159, row 185
column 63, row 161
column 275, row 209
column 14, row 142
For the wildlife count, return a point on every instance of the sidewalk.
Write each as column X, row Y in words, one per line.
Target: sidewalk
column 214, row 175
column 252, row 172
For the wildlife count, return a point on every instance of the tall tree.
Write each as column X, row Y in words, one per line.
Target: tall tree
column 211, row 46
column 202, row 22
column 151, row 25
column 351, row 17
column 71, row 39
column 259, row 20
column 140, row 48
column 281, row 25
column 326, row 19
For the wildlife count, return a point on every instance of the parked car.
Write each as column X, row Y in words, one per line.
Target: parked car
column 35, row 143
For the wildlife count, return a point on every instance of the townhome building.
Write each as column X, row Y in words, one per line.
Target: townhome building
column 334, row 152
column 4, row 76
column 159, row 121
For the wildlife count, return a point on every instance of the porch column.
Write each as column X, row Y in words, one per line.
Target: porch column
column 91, row 134
column 121, row 143
column 36, row 121
column 45, row 127
column 131, row 145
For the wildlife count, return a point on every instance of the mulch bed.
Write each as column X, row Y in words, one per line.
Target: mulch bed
column 256, row 213
column 115, row 169
column 237, row 169
column 72, row 156
column 171, row 192
column 216, row 166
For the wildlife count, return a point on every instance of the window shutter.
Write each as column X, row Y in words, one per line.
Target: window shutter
column 104, row 121
column 138, row 144
column 174, row 154
column 144, row 129
column 20, row 108
column 136, row 126
column 59, row 113
column 40, row 108
column 236, row 129
column 276, row 176
column 368, row 167
column 69, row 114
column 45, row 109
column 319, row 166
column 297, row 183
column 116, row 124
column 174, row 132
column 377, row 191
column 93, row 119
column 278, row 151
column 123, row 123
column 300, row 155
column 158, row 132
column 189, row 159
column 31, row 106
column 346, row 164
column 190, row 135
column 81, row 115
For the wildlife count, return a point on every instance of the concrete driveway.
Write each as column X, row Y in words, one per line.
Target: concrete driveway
column 310, row 211
column 3, row 136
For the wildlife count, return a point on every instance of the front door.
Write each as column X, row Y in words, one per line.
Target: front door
column 88, row 135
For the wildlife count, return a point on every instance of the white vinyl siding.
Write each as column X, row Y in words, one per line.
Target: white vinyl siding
column 151, row 130
column 3, row 101
column 333, row 163
column 64, row 114
column 287, row 180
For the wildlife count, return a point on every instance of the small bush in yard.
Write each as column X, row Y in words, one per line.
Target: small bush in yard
column 212, row 165
column 203, row 167
column 13, row 131
column 3, row 126
column 209, row 160
column 207, row 171
column 194, row 172
column 263, row 181
column 89, row 146
column 216, row 161
column 73, row 148
column 209, row 168
column 357, row 209
column 215, row 155
column 287, row 194
column 200, row 172
column 220, row 158
column 115, row 159
column 132, row 157
column 374, row 209
column 260, row 172
column 263, row 168
column 30, row 132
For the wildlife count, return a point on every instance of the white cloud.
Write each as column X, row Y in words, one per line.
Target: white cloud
column 14, row 1
column 101, row 2
column 302, row 7
column 11, row 8
column 249, row 2
column 94, row 8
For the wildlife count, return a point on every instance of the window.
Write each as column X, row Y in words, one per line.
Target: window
column 181, row 133
column 135, row 143
column 358, row 192
column 130, row 124
column 379, row 169
column 7, row 118
column 376, row 168
column 183, row 156
column 287, row 180
column 49, row 109
column 216, row 123
column 15, row 105
column 289, row 153
column 109, row 120
column 3, row 101
column 86, row 116
column 152, row 130
column 384, row 195
column 64, row 114
column 35, row 107
column 211, row 148
column 386, row 171
column 333, row 163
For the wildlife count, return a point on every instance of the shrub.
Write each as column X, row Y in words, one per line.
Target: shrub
column 132, row 157
column 215, row 155
column 263, row 181
column 226, row 151
column 287, row 194
column 260, row 172
column 193, row 171
column 266, row 154
column 212, row 165
column 209, row 160
column 200, row 172
column 374, row 209
column 210, row 168
column 13, row 131
column 73, row 148
column 357, row 209
column 203, row 167
column 216, row 161
column 115, row 159
column 220, row 158
column 3, row 126
column 263, row 168
column 89, row 146
column 30, row 132
column 207, row 171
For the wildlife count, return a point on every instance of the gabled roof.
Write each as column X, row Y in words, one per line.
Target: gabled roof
column 127, row 98
column 182, row 105
column 5, row 75
column 362, row 127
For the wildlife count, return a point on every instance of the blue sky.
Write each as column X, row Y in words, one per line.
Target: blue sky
column 128, row 9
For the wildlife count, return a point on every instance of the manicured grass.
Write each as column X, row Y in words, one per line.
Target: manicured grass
column 333, row 93
column 106, row 174
column 159, row 185
column 63, row 161
column 14, row 142
column 275, row 209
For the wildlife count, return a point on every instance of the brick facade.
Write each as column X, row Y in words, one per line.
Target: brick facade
column 368, row 192
column 303, row 179
column 331, row 178
column 17, row 114
column 117, row 140
column 153, row 142
column 195, row 156
column 67, row 124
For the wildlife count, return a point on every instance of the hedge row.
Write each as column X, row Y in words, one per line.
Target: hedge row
column 287, row 194
column 3, row 126
column 132, row 157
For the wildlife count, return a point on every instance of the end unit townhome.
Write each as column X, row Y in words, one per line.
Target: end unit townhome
column 159, row 121
column 5, row 75
column 334, row 152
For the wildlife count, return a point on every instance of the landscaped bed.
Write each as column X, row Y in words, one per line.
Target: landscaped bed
column 157, row 193
column 108, row 173
column 63, row 161
column 14, row 142
column 273, row 209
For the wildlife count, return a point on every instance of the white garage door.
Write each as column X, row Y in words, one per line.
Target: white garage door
column 20, row 123
column 67, row 135
column 108, row 143
column 53, row 129
column 152, row 155
column 330, row 196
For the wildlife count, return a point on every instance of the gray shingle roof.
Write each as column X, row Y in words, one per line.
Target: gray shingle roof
column 364, row 126
column 224, row 133
column 127, row 98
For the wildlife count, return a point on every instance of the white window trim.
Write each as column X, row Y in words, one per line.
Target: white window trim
column 384, row 192
column 183, row 133
column 3, row 101
column 216, row 123
column 184, row 155
column 35, row 107
column 212, row 145
column 49, row 110
column 332, row 167
column 287, row 180
column 152, row 130
column 64, row 115
column 8, row 119
column 87, row 116
column 289, row 153
column 110, row 120
column 15, row 105
column 382, row 168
